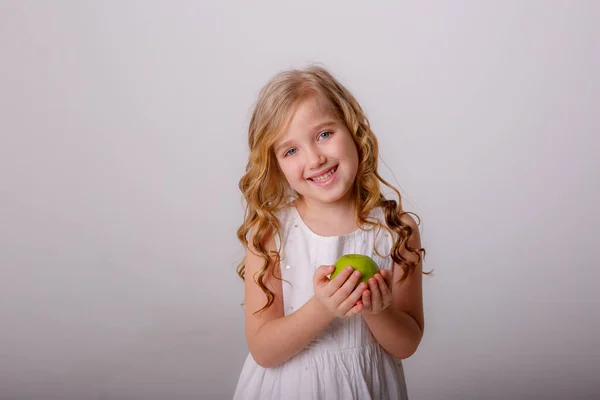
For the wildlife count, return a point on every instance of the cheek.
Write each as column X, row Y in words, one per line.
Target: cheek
column 353, row 165
column 351, row 154
column 290, row 171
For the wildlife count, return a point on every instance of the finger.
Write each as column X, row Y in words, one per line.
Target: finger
column 354, row 297
column 348, row 287
column 383, row 287
column 339, row 280
column 334, row 284
column 357, row 309
column 320, row 276
column 366, row 299
column 375, row 294
column 387, row 276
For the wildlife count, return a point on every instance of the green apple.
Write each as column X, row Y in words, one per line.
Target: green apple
column 360, row 262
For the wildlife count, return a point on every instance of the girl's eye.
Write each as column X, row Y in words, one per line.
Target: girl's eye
column 324, row 135
column 290, row 152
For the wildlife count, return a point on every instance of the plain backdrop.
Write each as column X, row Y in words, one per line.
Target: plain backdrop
column 123, row 137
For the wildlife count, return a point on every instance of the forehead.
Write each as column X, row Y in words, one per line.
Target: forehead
column 308, row 112
column 308, row 115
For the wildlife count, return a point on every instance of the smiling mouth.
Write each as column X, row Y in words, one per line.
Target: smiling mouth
column 325, row 176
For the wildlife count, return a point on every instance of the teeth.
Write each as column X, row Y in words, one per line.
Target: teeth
column 325, row 176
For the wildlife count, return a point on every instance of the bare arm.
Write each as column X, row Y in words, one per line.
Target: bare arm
column 399, row 327
column 396, row 331
column 274, row 338
column 279, row 339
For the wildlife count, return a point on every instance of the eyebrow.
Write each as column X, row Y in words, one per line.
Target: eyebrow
column 324, row 124
column 282, row 145
column 317, row 127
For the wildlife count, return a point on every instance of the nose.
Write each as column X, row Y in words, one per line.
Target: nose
column 315, row 159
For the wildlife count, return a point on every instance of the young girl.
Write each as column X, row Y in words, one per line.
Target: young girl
column 313, row 194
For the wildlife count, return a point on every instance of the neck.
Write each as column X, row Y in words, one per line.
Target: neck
column 342, row 210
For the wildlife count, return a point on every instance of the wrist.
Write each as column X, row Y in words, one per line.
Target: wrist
column 321, row 312
column 385, row 313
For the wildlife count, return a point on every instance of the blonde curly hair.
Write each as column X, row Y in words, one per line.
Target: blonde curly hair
column 265, row 189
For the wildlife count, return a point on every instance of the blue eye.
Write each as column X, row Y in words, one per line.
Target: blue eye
column 289, row 152
column 324, row 135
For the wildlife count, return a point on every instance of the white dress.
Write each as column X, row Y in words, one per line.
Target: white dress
column 344, row 361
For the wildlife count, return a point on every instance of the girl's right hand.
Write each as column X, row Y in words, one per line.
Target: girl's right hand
column 339, row 295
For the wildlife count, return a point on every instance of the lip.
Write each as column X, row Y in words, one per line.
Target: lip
column 322, row 172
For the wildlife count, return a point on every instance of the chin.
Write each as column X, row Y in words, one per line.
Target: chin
column 328, row 199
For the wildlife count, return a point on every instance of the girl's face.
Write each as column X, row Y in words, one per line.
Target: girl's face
column 317, row 155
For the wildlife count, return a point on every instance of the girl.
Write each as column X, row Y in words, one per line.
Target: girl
column 313, row 194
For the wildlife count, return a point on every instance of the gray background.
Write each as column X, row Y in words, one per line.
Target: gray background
column 123, row 130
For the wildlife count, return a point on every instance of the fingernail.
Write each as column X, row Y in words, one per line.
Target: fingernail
column 357, row 273
column 349, row 268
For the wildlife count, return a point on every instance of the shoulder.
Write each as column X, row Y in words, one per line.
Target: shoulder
column 269, row 238
column 284, row 214
column 414, row 240
column 415, row 237
column 408, row 220
column 405, row 218
column 262, row 243
column 287, row 218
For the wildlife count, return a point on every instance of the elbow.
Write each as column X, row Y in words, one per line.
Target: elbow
column 267, row 364
column 261, row 354
column 262, row 358
column 404, row 353
column 408, row 349
column 264, row 362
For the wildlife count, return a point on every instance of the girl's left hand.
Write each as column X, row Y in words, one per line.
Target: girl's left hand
column 379, row 295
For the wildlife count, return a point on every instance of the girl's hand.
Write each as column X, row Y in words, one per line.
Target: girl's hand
column 379, row 295
column 339, row 295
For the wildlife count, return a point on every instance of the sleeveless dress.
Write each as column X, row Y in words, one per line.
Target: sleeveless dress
column 344, row 361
